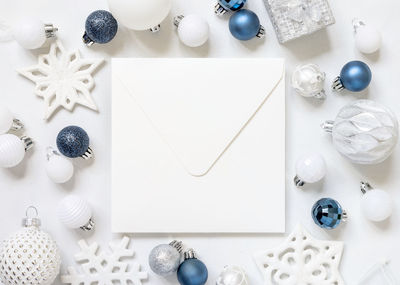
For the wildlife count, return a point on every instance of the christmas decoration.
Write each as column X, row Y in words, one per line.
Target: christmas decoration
column 193, row 30
column 328, row 214
column 13, row 149
column 73, row 141
column 104, row 268
column 376, row 204
column 245, row 25
column 232, row 275
column 228, row 5
column 301, row 260
column 100, row 27
column 31, row 33
column 308, row 81
column 364, row 131
column 310, row 168
column 8, row 122
column 63, row 79
column 74, row 213
column 368, row 40
column 192, row 271
column 59, row 169
column 30, row 256
column 165, row 259
column 381, row 274
column 355, row 76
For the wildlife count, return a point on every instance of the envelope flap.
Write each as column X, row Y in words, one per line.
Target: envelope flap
column 199, row 106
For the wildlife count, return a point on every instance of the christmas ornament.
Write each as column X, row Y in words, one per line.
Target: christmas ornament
column 228, row 5
column 192, row 271
column 193, row 30
column 8, row 122
column 31, row 33
column 381, row 274
column 13, row 149
column 63, row 79
column 73, row 141
column 310, row 168
column 100, row 27
column 376, row 204
column 364, row 131
column 105, row 268
column 75, row 213
column 355, row 76
column 30, row 256
column 301, row 259
column 328, row 214
column 59, row 169
column 368, row 40
column 140, row 14
column 245, row 25
column 308, row 81
column 165, row 259
column 232, row 275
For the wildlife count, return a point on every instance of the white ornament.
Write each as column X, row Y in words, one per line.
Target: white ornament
column 31, row 33
column 63, row 79
column 75, row 213
column 368, row 40
column 7, row 121
column 12, row 149
column 103, row 268
column 140, row 14
column 301, row 260
column 232, row 275
column 58, row 168
column 193, row 30
column 308, row 81
column 381, row 273
column 376, row 204
column 310, row 168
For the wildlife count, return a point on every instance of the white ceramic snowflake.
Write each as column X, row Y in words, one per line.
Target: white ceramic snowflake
column 302, row 260
column 63, row 79
column 104, row 268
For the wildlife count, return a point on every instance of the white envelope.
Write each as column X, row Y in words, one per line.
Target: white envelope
column 198, row 145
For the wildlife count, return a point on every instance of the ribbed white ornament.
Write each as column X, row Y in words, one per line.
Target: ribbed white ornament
column 74, row 213
column 12, row 150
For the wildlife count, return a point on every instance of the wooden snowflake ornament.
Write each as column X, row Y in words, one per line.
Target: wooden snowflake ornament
column 301, row 260
column 63, row 79
column 105, row 268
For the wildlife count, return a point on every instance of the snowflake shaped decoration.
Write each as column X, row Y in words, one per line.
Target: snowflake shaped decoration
column 63, row 79
column 103, row 268
column 301, row 260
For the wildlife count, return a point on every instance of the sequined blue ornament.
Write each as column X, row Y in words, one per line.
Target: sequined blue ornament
column 101, row 27
column 73, row 141
column 192, row 271
column 245, row 25
column 355, row 76
column 228, row 5
column 327, row 213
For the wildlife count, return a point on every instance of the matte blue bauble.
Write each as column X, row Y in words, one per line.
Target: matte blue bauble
column 192, row 272
column 232, row 5
column 244, row 25
column 327, row 213
column 101, row 27
column 73, row 141
column 355, row 76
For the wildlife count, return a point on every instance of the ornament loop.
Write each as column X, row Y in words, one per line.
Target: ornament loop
column 365, row 187
column 31, row 221
column 357, row 24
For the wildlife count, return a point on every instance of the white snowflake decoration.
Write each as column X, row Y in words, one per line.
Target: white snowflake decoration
column 63, row 79
column 302, row 260
column 103, row 268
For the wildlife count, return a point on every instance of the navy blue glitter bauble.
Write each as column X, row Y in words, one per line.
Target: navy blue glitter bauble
column 244, row 25
column 72, row 141
column 327, row 213
column 101, row 27
column 192, row 272
column 355, row 76
column 232, row 5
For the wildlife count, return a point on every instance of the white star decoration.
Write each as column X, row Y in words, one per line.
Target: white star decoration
column 301, row 260
column 63, row 79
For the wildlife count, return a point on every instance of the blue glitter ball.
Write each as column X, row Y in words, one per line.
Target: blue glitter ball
column 327, row 213
column 232, row 5
column 192, row 272
column 72, row 141
column 101, row 27
column 244, row 25
column 355, row 76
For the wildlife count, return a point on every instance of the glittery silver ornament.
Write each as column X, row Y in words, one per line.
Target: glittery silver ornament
column 165, row 259
column 232, row 275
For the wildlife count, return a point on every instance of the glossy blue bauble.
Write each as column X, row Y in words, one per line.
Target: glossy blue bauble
column 101, row 27
column 73, row 141
column 327, row 213
column 192, row 272
column 244, row 25
column 232, row 5
column 355, row 76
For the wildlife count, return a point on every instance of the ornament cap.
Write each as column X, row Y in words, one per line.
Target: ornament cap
column 357, row 23
column 337, row 85
column 190, row 254
column 219, row 10
column 88, row 154
column 31, row 220
column 365, row 187
column 28, row 143
column 177, row 244
column 16, row 125
column 298, row 182
column 50, row 30
column 261, row 32
column 178, row 19
column 86, row 40
column 155, row 29
column 89, row 226
column 50, row 151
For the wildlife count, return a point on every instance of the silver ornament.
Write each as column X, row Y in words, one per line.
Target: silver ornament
column 308, row 81
column 232, row 275
column 165, row 259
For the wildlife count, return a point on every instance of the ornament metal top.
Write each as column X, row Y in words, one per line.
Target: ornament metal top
column 228, row 5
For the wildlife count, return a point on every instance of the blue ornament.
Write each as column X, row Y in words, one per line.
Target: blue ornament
column 245, row 25
column 226, row 5
column 73, row 142
column 355, row 76
column 327, row 213
column 101, row 27
column 192, row 271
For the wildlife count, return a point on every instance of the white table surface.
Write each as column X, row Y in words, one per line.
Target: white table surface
column 365, row 243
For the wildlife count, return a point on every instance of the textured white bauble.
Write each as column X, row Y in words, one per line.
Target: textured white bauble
column 232, row 275
column 75, row 213
column 376, row 205
column 310, row 168
column 6, row 120
column 193, row 31
column 12, row 150
column 308, row 81
column 30, row 33
column 368, row 40
column 59, row 169
column 140, row 14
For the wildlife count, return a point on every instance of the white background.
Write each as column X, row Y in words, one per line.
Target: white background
column 365, row 243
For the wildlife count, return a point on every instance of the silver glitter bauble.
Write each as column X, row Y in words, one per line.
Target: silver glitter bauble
column 165, row 259
column 232, row 275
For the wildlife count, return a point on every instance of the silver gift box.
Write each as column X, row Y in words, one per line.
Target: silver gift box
column 296, row 18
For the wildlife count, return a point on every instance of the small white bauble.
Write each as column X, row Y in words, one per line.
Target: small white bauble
column 59, row 169
column 232, row 275
column 193, row 30
column 310, row 168
column 30, row 33
column 376, row 204
column 308, row 81
column 140, row 14
column 368, row 40
column 75, row 213
column 12, row 149
column 6, row 120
